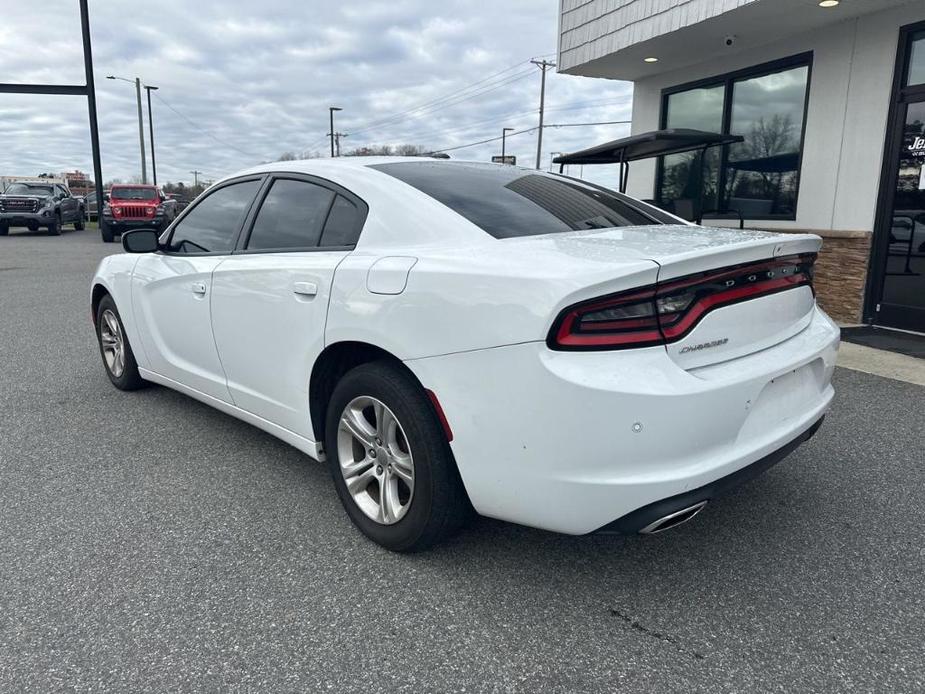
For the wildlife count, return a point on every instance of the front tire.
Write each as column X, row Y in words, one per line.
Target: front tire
column 106, row 232
column 4, row 229
column 54, row 229
column 118, row 358
column 390, row 460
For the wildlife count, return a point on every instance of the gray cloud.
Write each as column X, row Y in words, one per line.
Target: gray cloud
column 254, row 79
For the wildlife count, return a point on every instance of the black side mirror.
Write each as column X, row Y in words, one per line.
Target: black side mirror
column 140, row 241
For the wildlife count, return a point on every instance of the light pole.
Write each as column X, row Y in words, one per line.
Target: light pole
column 150, row 89
column 141, row 127
column 331, row 110
column 504, row 142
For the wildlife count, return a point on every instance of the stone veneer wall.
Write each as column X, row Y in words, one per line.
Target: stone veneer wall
column 841, row 272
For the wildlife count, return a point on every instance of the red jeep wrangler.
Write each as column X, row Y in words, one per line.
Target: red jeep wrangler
column 135, row 207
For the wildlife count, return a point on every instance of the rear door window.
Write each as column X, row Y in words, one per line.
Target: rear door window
column 507, row 201
column 292, row 216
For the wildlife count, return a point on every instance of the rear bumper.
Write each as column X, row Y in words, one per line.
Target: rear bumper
column 647, row 516
column 569, row 441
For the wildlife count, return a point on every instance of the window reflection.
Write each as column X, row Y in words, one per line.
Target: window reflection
column 762, row 172
column 700, row 109
column 759, row 177
column 916, row 73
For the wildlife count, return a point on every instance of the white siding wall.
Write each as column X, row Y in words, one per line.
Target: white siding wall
column 849, row 100
column 592, row 28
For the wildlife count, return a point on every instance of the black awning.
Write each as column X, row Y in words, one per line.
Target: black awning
column 646, row 145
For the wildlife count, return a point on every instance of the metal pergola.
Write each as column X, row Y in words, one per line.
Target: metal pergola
column 656, row 143
column 88, row 89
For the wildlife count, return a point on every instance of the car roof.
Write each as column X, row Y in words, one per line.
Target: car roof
column 400, row 216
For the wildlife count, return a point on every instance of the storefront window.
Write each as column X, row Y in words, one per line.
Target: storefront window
column 762, row 172
column 759, row 177
column 916, row 74
column 701, row 109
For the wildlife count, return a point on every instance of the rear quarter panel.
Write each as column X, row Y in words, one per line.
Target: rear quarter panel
column 467, row 299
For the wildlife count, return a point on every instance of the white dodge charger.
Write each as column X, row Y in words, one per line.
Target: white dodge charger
column 454, row 336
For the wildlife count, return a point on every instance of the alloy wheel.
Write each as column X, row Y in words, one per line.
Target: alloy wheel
column 113, row 343
column 375, row 460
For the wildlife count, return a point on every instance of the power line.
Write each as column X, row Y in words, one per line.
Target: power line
column 452, row 101
column 517, row 114
column 203, row 130
column 463, row 94
column 438, row 99
column 533, row 129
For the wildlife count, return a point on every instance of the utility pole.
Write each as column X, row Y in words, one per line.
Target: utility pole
column 337, row 137
column 503, row 142
column 331, row 110
column 543, row 65
column 151, row 130
column 196, row 177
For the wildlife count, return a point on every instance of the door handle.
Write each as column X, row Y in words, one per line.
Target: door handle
column 199, row 288
column 305, row 288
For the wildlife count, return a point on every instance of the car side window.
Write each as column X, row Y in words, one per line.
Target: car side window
column 292, row 216
column 211, row 226
column 343, row 225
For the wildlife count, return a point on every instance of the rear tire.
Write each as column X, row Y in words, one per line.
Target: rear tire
column 435, row 505
column 79, row 224
column 118, row 358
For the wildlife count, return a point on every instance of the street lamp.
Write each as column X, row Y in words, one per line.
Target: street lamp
column 150, row 89
column 331, row 110
column 504, row 142
column 141, row 128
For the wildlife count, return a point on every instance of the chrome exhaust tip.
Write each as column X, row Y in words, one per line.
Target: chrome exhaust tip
column 673, row 520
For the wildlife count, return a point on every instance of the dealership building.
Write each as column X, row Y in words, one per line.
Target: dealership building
column 829, row 97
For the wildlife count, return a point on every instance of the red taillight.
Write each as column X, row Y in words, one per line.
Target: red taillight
column 621, row 320
column 667, row 312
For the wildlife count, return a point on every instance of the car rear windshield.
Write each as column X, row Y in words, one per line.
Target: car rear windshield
column 507, row 201
column 134, row 193
column 27, row 189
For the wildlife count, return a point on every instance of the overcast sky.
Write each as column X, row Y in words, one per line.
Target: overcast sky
column 250, row 80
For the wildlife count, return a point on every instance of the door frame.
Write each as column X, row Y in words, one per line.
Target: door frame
column 899, row 98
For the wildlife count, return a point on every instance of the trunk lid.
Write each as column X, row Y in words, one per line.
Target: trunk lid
column 746, row 323
column 740, row 286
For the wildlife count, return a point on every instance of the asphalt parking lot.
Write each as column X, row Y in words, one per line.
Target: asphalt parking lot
column 149, row 543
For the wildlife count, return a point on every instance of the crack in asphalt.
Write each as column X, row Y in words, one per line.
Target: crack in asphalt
column 666, row 638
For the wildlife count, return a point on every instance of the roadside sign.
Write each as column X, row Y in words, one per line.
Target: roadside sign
column 507, row 159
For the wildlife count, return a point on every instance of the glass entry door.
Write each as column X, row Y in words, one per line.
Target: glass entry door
column 902, row 303
column 902, row 295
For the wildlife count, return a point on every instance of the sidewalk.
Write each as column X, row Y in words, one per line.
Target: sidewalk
column 882, row 363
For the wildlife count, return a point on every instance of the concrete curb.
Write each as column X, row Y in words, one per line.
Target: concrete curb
column 882, row 363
